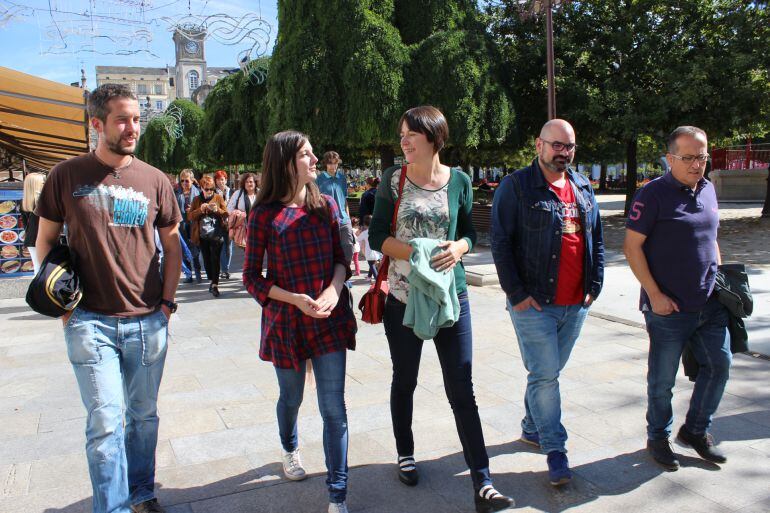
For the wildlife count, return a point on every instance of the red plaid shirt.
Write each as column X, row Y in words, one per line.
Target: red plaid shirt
column 302, row 250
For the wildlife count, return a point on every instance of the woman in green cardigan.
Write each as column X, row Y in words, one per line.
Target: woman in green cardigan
column 436, row 203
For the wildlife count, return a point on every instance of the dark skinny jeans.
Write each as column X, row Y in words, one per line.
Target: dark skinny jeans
column 454, row 346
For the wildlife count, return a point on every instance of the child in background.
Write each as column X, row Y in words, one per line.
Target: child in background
column 372, row 257
column 356, row 247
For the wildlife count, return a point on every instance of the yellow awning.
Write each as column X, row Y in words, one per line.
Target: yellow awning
column 41, row 121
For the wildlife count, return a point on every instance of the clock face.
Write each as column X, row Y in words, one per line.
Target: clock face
column 191, row 47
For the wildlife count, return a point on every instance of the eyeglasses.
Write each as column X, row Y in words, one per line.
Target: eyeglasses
column 207, row 189
column 184, row 181
column 689, row 159
column 559, row 146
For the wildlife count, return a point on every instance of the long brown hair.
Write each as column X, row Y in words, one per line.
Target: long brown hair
column 279, row 173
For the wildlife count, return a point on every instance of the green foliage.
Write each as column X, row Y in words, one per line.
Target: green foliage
column 183, row 150
column 454, row 71
column 234, row 126
column 336, row 72
column 155, row 145
column 344, row 71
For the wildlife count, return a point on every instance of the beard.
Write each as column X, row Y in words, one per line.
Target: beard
column 115, row 147
column 557, row 164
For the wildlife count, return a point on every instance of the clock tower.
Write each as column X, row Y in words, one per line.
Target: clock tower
column 190, row 60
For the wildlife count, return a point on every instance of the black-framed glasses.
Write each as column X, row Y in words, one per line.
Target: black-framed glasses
column 689, row 159
column 184, row 181
column 207, row 189
column 559, row 146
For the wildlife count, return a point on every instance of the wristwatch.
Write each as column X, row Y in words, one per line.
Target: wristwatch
column 170, row 304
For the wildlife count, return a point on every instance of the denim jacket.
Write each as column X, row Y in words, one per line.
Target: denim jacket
column 527, row 232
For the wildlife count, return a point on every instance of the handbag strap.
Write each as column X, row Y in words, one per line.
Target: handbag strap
column 383, row 271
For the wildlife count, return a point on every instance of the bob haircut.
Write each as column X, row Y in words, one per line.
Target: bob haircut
column 220, row 174
column 428, row 120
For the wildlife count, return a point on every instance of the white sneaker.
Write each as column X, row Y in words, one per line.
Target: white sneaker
column 292, row 465
column 338, row 507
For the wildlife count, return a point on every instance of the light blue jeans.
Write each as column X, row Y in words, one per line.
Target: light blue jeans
column 546, row 340
column 118, row 364
column 329, row 372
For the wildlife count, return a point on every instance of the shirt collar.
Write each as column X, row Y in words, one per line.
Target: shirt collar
column 673, row 182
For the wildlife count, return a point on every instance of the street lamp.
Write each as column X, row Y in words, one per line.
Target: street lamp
column 536, row 8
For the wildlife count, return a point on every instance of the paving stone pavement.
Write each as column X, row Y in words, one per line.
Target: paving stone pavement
column 219, row 450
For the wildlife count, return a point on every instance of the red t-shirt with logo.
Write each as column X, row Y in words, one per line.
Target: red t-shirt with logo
column 569, row 285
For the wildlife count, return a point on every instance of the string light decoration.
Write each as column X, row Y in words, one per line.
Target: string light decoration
column 250, row 31
column 125, row 27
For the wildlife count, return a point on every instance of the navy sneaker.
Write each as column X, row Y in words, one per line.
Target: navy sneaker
column 532, row 439
column 558, row 468
column 188, row 280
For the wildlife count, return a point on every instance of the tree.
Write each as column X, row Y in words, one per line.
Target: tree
column 183, row 151
column 336, row 72
column 234, row 126
column 641, row 67
column 155, row 145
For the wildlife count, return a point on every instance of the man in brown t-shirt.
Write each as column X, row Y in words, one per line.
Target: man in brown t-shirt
column 112, row 204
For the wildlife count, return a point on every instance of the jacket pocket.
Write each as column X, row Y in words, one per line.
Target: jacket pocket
column 538, row 215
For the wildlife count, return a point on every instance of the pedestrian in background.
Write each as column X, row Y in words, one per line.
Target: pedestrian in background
column 220, row 180
column 187, row 192
column 209, row 207
column 33, row 186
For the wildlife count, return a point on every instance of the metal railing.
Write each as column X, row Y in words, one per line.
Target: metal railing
column 750, row 156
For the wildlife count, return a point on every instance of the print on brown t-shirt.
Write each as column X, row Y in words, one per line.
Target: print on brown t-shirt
column 111, row 216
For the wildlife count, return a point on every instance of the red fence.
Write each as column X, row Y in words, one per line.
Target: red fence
column 741, row 157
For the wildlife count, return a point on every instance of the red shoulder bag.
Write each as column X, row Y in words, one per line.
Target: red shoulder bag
column 372, row 305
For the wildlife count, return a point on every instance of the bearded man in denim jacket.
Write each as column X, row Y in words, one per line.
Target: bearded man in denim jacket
column 548, row 249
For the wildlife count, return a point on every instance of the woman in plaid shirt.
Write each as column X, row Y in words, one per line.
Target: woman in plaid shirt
column 304, row 316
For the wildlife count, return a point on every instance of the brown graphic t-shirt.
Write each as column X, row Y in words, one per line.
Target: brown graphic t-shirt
column 111, row 216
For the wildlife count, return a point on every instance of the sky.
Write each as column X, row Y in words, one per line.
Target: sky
column 85, row 34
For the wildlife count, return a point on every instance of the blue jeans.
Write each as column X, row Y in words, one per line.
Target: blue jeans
column 118, row 364
column 227, row 253
column 184, row 232
column 545, row 341
column 454, row 346
column 706, row 333
column 329, row 371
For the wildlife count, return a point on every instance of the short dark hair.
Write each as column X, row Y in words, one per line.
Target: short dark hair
column 101, row 96
column 428, row 120
column 367, row 220
column 692, row 131
column 332, row 157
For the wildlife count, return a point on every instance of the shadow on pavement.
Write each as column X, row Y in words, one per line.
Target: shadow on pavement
column 444, row 487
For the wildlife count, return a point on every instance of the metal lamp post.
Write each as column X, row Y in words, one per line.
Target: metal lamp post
column 536, row 8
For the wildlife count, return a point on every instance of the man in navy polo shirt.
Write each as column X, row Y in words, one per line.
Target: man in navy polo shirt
column 671, row 246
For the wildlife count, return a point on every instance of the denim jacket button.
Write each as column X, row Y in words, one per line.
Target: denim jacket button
column 553, row 256
column 550, row 280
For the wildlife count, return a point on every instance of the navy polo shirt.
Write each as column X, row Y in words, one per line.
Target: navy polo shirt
column 681, row 228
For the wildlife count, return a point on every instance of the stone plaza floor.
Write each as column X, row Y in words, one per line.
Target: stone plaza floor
column 219, row 451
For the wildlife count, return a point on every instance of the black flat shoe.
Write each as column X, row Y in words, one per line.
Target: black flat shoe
column 214, row 291
column 488, row 499
column 407, row 471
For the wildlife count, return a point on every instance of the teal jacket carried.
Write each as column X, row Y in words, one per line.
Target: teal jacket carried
column 460, row 192
column 432, row 302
